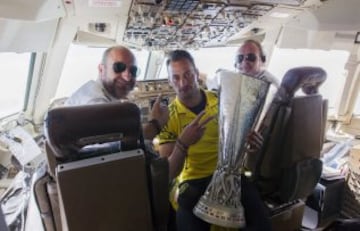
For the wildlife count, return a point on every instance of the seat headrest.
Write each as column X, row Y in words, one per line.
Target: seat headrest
column 69, row 129
column 307, row 78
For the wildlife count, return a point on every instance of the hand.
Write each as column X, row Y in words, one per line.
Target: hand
column 193, row 132
column 254, row 142
column 159, row 112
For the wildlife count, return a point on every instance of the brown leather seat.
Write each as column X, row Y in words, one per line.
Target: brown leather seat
column 288, row 165
column 287, row 168
column 105, row 177
column 69, row 129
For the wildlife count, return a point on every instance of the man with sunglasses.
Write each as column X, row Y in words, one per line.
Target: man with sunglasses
column 250, row 60
column 117, row 77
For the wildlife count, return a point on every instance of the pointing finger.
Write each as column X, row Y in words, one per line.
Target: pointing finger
column 158, row 99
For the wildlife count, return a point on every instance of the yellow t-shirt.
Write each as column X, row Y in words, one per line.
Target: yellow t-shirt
column 202, row 157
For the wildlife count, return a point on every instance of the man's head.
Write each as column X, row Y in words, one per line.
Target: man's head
column 250, row 58
column 118, row 71
column 183, row 74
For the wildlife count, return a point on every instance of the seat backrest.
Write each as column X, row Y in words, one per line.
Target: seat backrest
column 71, row 131
column 93, row 152
column 3, row 225
column 288, row 165
column 46, row 197
column 109, row 192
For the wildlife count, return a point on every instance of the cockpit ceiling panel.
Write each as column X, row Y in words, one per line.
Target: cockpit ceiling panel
column 285, row 2
column 189, row 23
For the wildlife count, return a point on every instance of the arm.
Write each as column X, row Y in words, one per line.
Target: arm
column 176, row 151
column 176, row 157
column 150, row 130
column 159, row 116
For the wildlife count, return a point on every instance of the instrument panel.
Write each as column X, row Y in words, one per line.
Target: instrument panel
column 171, row 24
column 146, row 92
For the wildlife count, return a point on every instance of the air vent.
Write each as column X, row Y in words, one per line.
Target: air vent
column 99, row 27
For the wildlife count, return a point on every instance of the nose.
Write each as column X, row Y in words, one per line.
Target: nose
column 183, row 82
column 126, row 75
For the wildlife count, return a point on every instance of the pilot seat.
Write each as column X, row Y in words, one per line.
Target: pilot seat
column 288, row 167
column 100, row 174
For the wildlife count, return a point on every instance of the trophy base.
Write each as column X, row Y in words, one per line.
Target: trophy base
column 220, row 215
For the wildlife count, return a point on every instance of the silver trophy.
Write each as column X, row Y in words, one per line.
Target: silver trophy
column 241, row 100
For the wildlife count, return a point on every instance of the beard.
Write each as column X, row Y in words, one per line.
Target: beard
column 119, row 88
column 123, row 88
column 187, row 93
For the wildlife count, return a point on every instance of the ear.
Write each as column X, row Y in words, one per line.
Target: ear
column 236, row 65
column 170, row 82
column 101, row 69
column 263, row 58
column 197, row 74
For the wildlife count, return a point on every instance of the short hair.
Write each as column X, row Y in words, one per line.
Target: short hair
column 177, row 55
column 259, row 46
column 108, row 50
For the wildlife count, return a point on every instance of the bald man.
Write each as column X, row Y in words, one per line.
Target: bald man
column 250, row 60
column 116, row 78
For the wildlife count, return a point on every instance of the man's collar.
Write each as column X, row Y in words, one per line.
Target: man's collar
column 210, row 101
column 106, row 93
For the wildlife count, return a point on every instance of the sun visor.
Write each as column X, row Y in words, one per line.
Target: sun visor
column 90, row 39
column 20, row 36
column 297, row 38
column 32, row 11
column 28, row 26
column 322, row 18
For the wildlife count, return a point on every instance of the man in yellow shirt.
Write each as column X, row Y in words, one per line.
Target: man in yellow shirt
column 192, row 152
column 190, row 142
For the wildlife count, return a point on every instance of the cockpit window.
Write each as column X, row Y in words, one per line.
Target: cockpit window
column 81, row 65
column 333, row 62
column 357, row 106
column 14, row 68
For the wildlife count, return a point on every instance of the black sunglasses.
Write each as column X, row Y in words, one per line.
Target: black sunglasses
column 251, row 57
column 120, row 67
